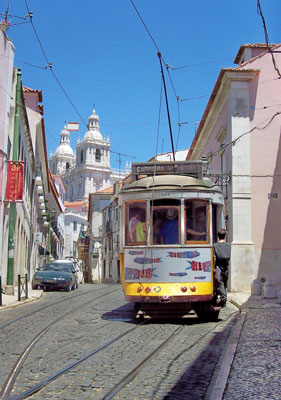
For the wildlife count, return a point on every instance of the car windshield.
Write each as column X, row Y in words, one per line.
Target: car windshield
column 55, row 267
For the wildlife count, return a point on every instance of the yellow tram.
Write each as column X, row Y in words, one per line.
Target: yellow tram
column 170, row 215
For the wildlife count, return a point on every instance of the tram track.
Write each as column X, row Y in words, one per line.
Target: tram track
column 47, row 381
column 125, row 381
column 129, row 377
column 10, row 382
column 53, row 304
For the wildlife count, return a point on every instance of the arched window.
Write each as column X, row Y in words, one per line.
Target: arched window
column 67, row 165
column 81, row 156
column 98, row 155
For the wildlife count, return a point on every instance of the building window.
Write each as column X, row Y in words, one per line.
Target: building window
column 98, row 155
column 74, row 250
column 81, row 156
column 75, row 226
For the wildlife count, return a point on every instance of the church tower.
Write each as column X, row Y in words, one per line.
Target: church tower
column 92, row 166
column 63, row 159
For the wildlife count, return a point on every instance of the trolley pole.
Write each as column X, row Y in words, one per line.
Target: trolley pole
column 167, row 105
column 12, row 212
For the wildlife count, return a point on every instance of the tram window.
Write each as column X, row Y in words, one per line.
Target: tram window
column 136, row 227
column 165, row 220
column 196, row 217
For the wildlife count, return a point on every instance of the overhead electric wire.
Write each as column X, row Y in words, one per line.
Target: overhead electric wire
column 20, row 23
column 259, row 11
column 147, row 30
column 14, row 16
column 24, row 62
column 178, row 98
column 233, row 142
column 163, row 77
column 198, row 64
column 51, row 66
column 227, row 115
column 7, row 11
column 4, row 90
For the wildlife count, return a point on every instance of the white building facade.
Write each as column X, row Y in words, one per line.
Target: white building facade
column 84, row 172
column 88, row 171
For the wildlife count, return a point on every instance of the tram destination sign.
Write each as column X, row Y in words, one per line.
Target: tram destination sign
column 190, row 168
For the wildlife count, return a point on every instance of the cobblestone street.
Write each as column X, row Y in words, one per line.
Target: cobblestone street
column 87, row 319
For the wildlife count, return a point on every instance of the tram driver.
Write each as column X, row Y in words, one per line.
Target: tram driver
column 169, row 232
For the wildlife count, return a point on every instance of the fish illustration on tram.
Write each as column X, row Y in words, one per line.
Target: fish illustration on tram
column 169, row 217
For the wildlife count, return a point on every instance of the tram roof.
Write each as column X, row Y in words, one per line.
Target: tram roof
column 172, row 182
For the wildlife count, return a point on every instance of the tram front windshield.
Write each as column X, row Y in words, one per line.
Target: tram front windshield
column 165, row 222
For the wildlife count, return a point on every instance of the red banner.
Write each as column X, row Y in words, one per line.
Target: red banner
column 14, row 186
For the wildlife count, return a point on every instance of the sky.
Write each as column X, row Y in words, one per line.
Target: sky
column 104, row 56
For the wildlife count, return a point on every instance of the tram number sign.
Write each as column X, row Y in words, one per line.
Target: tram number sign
column 193, row 168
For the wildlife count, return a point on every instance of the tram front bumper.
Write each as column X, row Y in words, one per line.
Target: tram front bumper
column 170, row 299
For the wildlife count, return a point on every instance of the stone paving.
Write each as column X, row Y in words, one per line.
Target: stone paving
column 251, row 363
column 255, row 370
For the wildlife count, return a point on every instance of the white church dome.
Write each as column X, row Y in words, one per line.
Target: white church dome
column 64, row 148
column 93, row 132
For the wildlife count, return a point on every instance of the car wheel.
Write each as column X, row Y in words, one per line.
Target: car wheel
column 34, row 287
column 73, row 287
column 68, row 288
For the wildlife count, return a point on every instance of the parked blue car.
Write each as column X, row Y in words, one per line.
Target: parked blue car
column 56, row 275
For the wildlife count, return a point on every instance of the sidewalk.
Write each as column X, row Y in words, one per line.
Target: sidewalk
column 12, row 301
column 251, row 363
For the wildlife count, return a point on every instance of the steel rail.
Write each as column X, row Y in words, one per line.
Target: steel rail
column 10, row 382
column 45, row 382
column 124, row 381
column 131, row 375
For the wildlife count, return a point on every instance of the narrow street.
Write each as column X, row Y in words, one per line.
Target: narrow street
column 83, row 343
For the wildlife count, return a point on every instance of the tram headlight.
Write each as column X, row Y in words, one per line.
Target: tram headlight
column 183, row 289
column 148, row 289
column 192, row 288
column 139, row 289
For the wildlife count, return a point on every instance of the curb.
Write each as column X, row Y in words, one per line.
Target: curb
column 227, row 358
column 17, row 303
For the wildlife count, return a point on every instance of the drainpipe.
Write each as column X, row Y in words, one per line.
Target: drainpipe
column 30, row 246
column 12, row 212
column 49, row 240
